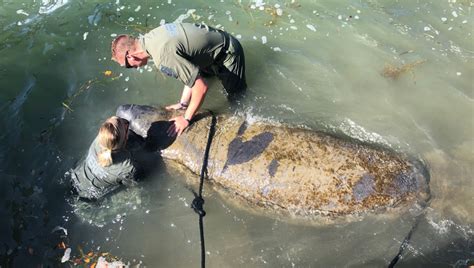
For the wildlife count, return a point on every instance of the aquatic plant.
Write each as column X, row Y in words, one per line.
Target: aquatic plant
column 67, row 104
column 85, row 86
column 137, row 27
column 275, row 13
column 394, row 72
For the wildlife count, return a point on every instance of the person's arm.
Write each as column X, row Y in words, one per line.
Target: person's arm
column 183, row 102
column 128, row 174
column 198, row 92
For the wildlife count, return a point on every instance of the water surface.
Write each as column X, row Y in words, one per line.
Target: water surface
column 394, row 73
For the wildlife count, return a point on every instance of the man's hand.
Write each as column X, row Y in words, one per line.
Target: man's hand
column 197, row 94
column 180, row 124
column 177, row 106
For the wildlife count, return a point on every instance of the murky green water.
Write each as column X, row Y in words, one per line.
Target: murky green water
column 398, row 73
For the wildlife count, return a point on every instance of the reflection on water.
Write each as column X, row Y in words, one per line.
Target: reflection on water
column 397, row 73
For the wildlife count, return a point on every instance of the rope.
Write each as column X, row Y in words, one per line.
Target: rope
column 198, row 201
column 405, row 243
column 407, row 239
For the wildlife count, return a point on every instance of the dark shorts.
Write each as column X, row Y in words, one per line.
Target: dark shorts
column 230, row 68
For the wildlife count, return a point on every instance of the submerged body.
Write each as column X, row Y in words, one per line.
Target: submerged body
column 295, row 171
column 93, row 181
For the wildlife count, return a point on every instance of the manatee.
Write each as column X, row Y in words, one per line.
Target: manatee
column 290, row 170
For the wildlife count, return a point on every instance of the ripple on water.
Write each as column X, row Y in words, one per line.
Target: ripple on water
column 48, row 6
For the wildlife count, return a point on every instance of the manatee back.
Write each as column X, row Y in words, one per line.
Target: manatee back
column 308, row 173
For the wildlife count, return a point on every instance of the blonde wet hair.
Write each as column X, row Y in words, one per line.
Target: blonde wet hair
column 112, row 136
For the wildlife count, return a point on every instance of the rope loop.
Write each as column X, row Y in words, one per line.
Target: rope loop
column 197, row 204
column 198, row 201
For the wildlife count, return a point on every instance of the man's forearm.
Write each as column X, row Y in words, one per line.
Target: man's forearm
column 198, row 92
column 186, row 96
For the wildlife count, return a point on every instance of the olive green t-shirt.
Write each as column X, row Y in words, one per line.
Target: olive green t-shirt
column 180, row 49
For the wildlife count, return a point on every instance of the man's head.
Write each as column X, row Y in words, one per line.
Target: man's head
column 127, row 51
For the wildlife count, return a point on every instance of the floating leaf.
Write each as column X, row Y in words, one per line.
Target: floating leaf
column 66, row 256
column 67, row 107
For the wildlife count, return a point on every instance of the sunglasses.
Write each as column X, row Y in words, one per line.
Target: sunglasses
column 127, row 64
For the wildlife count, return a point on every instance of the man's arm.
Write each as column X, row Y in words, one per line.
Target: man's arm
column 198, row 92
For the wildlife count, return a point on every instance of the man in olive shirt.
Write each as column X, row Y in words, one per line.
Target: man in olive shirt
column 186, row 51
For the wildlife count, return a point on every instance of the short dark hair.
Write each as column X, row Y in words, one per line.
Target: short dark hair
column 121, row 44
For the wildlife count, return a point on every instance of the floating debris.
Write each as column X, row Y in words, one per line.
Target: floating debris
column 66, row 256
column 311, row 27
column 188, row 14
column 92, row 259
column 59, row 228
column 275, row 12
column 22, row 12
column 406, row 52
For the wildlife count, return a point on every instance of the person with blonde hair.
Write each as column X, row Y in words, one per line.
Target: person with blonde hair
column 108, row 164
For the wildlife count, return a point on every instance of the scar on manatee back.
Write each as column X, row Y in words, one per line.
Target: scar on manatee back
column 273, row 167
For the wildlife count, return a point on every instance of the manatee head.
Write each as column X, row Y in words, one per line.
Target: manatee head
column 141, row 117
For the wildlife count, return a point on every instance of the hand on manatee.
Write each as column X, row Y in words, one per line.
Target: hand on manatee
column 177, row 106
column 180, row 124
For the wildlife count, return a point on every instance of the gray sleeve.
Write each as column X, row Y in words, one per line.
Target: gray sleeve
column 128, row 175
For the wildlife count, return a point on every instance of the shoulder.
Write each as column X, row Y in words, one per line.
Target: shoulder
column 164, row 33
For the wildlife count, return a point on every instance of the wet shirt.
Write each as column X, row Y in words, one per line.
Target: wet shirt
column 180, row 49
column 92, row 181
